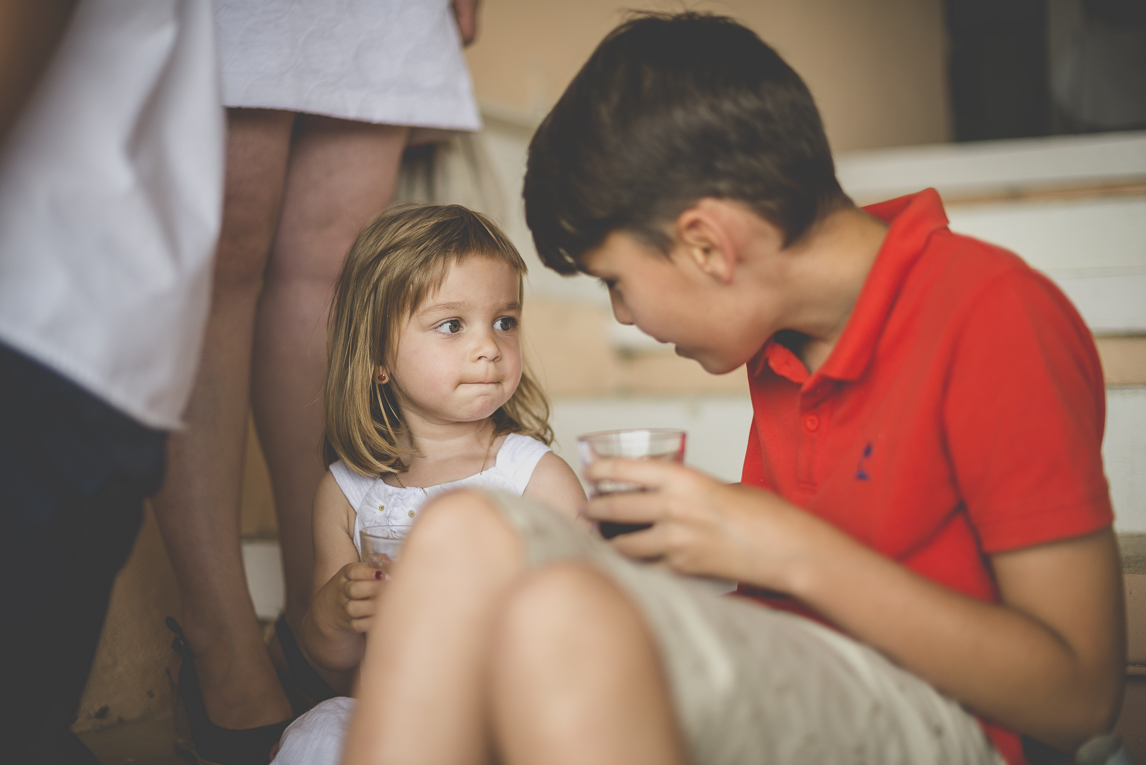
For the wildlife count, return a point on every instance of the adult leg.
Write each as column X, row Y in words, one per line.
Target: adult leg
column 424, row 675
column 341, row 173
column 576, row 676
column 198, row 507
column 73, row 475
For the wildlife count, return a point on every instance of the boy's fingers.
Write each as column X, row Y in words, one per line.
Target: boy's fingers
column 651, row 474
column 626, row 507
column 646, row 544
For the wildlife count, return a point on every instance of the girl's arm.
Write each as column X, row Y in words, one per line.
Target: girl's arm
column 1047, row 661
column 555, row 484
column 342, row 603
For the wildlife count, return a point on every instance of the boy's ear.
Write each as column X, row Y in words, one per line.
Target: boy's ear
column 703, row 232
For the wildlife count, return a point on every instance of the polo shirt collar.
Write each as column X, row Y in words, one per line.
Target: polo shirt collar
column 913, row 219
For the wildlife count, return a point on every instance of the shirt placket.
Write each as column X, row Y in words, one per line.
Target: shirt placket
column 814, row 420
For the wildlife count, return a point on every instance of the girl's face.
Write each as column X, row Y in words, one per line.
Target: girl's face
column 458, row 356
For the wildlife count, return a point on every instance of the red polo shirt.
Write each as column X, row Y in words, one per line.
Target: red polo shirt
column 960, row 413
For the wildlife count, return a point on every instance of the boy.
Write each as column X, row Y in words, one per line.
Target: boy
column 923, row 471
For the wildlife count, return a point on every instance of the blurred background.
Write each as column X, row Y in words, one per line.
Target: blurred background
column 1029, row 117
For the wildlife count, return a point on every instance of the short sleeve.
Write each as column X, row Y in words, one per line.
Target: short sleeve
column 353, row 485
column 753, row 472
column 521, row 458
column 1023, row 413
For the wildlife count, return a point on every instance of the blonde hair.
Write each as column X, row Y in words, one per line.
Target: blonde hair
column 400, row 258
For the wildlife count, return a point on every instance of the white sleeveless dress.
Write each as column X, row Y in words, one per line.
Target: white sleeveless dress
column 316, row 737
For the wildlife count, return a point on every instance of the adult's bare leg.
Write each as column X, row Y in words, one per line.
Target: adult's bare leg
column 341, row 173
column 575, row 676
column 423, row 684
column 198, row 507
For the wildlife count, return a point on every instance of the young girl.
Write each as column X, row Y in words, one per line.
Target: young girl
column 425, row 392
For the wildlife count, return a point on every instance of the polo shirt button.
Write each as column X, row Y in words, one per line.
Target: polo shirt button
column 811, row 422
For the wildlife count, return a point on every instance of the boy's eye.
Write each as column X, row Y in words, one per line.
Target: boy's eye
column 449, row 327
column 505, row 323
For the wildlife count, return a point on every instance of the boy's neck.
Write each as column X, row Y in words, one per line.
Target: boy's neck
column 824, row 275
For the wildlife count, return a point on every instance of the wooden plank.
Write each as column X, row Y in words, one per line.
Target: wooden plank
column 992, row 168
column 1123, row 358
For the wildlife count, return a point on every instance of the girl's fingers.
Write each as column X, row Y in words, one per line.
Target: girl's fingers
column 357, row 609
column 360, row 571
column 363, row 590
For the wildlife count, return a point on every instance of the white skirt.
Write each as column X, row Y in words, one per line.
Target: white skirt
column 396, row 62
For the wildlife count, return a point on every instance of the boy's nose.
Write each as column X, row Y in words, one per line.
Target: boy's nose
column 620, row 313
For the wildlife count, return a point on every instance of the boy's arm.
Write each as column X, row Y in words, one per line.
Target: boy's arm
column 1047, row 661
column 342, row 597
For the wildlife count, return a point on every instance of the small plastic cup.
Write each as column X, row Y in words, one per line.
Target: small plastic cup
column 647, row 443
column 380, row 545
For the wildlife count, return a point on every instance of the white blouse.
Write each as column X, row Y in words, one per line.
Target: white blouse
column 375, row 501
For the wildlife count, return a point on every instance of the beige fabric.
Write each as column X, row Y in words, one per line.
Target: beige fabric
column 753, row 685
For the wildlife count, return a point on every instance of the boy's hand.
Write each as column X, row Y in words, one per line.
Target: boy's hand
column 704, row 527
column 356, row 587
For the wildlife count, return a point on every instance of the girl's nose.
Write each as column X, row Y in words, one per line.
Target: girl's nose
column 487, row 347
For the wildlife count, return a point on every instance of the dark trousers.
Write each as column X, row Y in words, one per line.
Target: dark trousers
column 74, row 472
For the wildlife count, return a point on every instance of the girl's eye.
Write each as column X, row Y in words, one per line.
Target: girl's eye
column 505, row 323
column 449, row 327
column 608, row 284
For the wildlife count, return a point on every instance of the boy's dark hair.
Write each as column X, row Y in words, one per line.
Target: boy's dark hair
column 670, row 109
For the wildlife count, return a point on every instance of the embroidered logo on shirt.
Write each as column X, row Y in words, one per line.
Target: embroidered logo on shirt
column 861, row 473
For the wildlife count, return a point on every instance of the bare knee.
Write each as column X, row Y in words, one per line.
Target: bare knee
column 576, row 677
column 466, row 523
column 563, row 615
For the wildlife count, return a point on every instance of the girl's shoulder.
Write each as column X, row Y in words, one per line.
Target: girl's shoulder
column 517, row 458
column 521, row 444
column 354, row 485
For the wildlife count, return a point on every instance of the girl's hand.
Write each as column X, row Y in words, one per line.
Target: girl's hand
column 707, row 528
column 356, row 588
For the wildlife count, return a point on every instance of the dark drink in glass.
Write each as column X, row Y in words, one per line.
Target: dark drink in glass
column 656, row 444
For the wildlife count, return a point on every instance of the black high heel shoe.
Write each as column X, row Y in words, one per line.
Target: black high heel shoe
column 303, row 680
column 197, row 736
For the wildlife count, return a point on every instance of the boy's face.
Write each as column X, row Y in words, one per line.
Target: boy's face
column 674, row 301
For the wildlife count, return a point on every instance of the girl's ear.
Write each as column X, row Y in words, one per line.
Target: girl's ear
column 704, row 236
